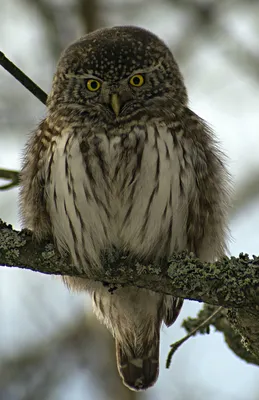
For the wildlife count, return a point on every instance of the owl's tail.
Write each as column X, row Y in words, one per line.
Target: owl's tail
column 139, row 367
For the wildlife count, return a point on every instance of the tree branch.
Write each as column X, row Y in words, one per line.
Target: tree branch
column 232, row 282
column 10, row 175
column 22, row 78
column 222, row 324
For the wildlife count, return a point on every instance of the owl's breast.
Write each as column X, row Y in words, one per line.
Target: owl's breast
column 152, row 181
column 117, row 190
column 147, row 182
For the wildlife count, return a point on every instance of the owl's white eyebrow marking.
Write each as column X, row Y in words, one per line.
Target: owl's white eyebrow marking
column 148, row 69
column 83, row 76
column 137, row 71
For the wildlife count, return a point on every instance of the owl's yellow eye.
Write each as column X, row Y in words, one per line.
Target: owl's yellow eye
column 137, row 80
column 93, row 85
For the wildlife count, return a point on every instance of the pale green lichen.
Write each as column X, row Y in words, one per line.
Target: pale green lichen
column 49, row 252
column 11, row 240
column 12, row 255
column 47, row 255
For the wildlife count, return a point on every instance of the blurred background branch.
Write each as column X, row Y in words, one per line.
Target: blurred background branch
column 54, row 361
column 9, row 175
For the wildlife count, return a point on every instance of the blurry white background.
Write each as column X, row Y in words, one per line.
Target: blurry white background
column 51, row 348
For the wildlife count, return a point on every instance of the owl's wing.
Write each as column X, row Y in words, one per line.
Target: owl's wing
column 33, row 210
column 209, row 198
column 171, row 309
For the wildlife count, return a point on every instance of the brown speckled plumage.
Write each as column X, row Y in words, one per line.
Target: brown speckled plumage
column 146, row 178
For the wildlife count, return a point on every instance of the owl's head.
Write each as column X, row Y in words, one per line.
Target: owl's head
column 117, row 72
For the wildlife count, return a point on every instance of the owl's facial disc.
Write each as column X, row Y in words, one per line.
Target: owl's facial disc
column 124, row 95
column 114, row 95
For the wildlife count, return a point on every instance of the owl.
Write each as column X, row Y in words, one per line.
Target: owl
column 121, row 162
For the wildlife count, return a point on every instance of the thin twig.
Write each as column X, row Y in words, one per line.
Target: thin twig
column 177, row 344
column 23, row 78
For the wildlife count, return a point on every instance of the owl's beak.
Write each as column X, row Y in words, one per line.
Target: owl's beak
column 115, row 103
